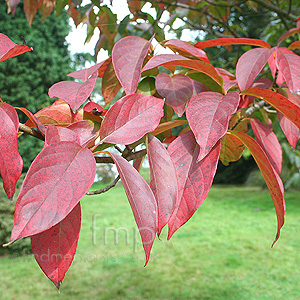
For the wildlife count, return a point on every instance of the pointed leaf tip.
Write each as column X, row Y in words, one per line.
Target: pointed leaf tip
column 142, row 202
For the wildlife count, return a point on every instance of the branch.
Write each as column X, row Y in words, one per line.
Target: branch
column 108, row 187
column 256, row 106
column 30, row 131
column 276, row 9
column 129, row 157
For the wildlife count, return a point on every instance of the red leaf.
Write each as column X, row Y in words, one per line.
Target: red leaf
column 110, row 84
column 59, row 113
column 208, row 114
column 55, row 182
column 30, row 9
column 194, row 178
column 142, row 201
column 11, row 163
column 137, row 164
column 128, row 55
column 268, row 141
column 231, row 149
column 9, row 49
column 130, row 118
column 282, row 104
column 197, row 65
column 291, row 131
column 288, row 65
column 185, row 48
column 163, row 180
column 73, row 93
column 294, row 45
column 87, row 131
column 162, row 59
column 232, row 41
column 84, row 74
column 249, row 66
column 33, row 119
column 177, row 90
column 46, row 8
column 94, row 112
column 288, row 33
column 56, row 134
column 199, row 87
column 271, row 177
column 12, row 5
column 54, row 249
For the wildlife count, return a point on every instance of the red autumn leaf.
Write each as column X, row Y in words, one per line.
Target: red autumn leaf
column 130, row 118
column 142, row 201
column 12, row 5
column 199, row 87
column 282, row 104
column 84, row 74
column 268, row 141
column 208, row 114
column 288, row 65
column 9, row 49
column 194, row 178
column 177, row 90
column 294, row 45
column 45, row 8
column 33, row 119
column 232, row 41
column 196, row 65
column 231, row 149
column 59, row 113
column 287, row 34
column 291, row 131
column 163, row 180
column 56, row 134
column 186, row 49
column 128, row 55
column 163, row 59
column 57, row 179
column 54, row 249
column 110, row 84
column 87, row 131
column 30, row 9
column 271, row 177
column 249, row 66
column 137, row 164
column 73, row 93
column 94, row 112
column 11, row 163
column 162, row 127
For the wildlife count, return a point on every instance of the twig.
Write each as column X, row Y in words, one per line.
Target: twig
column 256, row 106
column 108, row 187
column 276, row 9
column 30, row 131
column 131, row 156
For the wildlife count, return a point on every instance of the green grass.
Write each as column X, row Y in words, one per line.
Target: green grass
column 223, row 252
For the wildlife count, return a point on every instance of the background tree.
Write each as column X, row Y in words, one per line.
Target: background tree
column 25, row 81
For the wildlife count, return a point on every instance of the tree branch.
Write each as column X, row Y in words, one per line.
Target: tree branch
column 256, row 106
column 129, row 157
column 276, row 9
column 108, row 187
column 30, row 131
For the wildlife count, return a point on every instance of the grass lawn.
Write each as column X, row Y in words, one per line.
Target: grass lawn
column 223, row 252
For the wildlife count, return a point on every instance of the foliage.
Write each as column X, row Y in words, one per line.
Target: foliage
column 218, row 18
column 161, row 92
column 25, row 80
